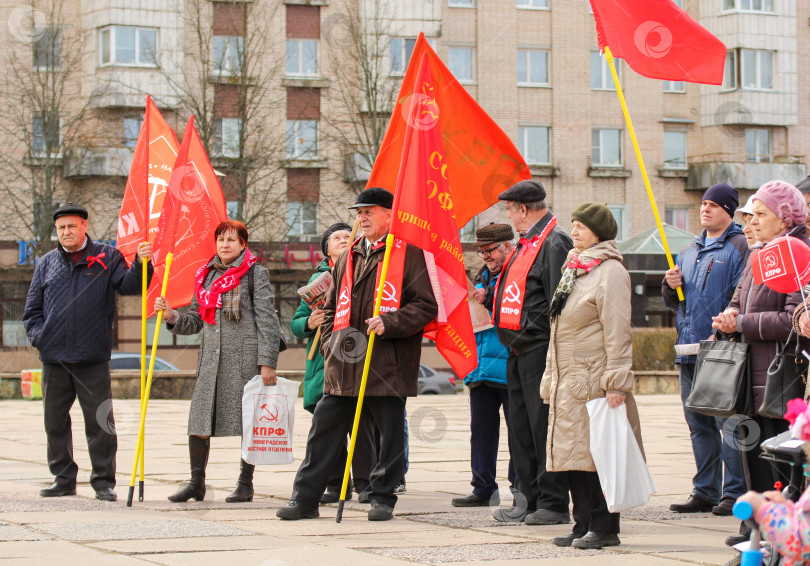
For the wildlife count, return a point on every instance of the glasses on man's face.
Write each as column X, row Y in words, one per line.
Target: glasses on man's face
column 486, row 253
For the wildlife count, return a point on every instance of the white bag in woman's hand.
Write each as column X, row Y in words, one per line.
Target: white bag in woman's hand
column 268, row 412
column 623, row 473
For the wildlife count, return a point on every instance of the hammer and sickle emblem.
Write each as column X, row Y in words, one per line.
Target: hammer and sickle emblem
column 512, row 293
column 389, row 292
column 770, row 260
column 344, row 298
column 268, row 414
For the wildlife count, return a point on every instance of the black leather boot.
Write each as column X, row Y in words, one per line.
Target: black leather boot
column 198, row 449
column 244, row 486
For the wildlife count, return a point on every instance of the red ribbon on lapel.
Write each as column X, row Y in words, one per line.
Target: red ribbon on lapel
column 97, row 258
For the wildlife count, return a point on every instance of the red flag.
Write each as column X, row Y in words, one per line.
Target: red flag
column 423, row 215
column 479, row 157
column 783, row 265
column 193, row 207
column 659, row 40
column 155, row 153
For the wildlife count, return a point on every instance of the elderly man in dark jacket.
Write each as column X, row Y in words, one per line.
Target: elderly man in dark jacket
column 520, row 314
column 68, row 318
column 348, row 317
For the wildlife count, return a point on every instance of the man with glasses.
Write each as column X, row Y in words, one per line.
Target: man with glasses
column 520, row 314
column 487, row 382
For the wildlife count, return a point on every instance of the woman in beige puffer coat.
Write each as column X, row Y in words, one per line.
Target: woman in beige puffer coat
column 590, row 356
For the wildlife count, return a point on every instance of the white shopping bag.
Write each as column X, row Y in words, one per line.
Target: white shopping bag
column 623, row 473
column 268, row 412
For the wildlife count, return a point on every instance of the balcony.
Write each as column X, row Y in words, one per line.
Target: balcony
column 98, row 162
column 742, row 175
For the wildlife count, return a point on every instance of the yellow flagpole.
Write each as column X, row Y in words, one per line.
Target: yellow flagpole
column 632, row 132
column 389, row 244
column 144, row 313
column 145, row 399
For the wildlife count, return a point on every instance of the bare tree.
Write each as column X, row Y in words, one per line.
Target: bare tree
column 363, row 90
column 46, row 117
column 230, row 86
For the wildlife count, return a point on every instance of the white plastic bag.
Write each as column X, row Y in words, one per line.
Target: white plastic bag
column 268, row 413
column 623, row 473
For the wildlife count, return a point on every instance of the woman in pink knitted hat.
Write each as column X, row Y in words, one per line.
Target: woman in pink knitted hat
column 763, row 318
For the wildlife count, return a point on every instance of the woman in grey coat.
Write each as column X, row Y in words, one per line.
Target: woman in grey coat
column 240, row 340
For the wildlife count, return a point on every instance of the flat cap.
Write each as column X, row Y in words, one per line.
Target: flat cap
column 374, row 196
column 70, row 209
column 524, row 191
column 804, row 185
column 493, row 234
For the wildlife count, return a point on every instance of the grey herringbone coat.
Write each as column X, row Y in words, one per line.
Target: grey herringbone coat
column 230, row 354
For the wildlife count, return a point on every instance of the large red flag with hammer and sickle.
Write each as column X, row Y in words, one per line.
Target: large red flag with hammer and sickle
column 424, row 215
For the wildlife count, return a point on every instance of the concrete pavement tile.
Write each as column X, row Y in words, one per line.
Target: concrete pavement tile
column 481, row 552
column 28, row 553
column 207, row 544
column 703, row 556
column 432, row 538
column 353, row 524
column 135, row 530
column 606, row 558
column 15, row 532
column 301, row 554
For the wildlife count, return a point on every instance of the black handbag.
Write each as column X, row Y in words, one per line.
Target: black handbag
column 787, row 376
column 722, row 382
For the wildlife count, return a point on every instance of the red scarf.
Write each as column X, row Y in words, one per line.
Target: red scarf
column 575, row 263
column 392, row 292
column 511, row 305
column 211, row 300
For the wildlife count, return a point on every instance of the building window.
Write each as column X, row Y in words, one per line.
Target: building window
column 226, row 137
column 132, row 128
column 757, row 145
column 45, row 137
column 126, row 45
column 601, row 77
column 749, row 5
column 48, row 49
column 460, row 63
column 302, row 57
column 400, row 52
column 606, row 150
column 675, row 150
column 461, row 3
column 467, row 232
column 677, row 217
column 532, row 67
column 730, row 71
column 619, row 214
column 678, row 3
column 302, row 220
column 532, row 4
column 756, row 69
column 228, row 54
column 674, row 86
column 302, row 139
column 533, row 144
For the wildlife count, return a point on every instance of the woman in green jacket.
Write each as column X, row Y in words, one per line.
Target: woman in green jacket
column 305, row 323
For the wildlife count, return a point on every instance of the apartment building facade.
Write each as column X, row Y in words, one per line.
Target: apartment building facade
column 291, row 98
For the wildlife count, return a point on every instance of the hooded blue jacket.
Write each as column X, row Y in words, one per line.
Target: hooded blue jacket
column 710, row 276
column 491, row 353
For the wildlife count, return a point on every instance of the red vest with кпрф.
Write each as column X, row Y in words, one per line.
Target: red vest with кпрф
column 514, row 280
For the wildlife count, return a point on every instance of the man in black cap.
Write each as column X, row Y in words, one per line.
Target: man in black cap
column 520, row 314
column 68, row 318
column 487, row 382
column 708, row 271
column 408, row 305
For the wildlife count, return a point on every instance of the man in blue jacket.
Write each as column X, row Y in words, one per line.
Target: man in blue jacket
column 487, row 382
column 708, row 271
column 68, row 318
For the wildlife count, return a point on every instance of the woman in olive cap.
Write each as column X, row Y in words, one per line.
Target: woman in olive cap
column 590, row 355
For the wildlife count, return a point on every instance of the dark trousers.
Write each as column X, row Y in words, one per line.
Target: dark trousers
column 331, row 422
column 363, row 462
column 590, row 508
column 90, row 382
column 536, row 488
column 485, row 432
column 761, row 475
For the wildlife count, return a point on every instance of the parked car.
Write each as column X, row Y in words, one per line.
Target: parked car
column 432, row 382
column 130, row 361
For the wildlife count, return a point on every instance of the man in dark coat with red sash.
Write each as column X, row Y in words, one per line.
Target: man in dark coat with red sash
column 520, row 315
column 408, row 305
